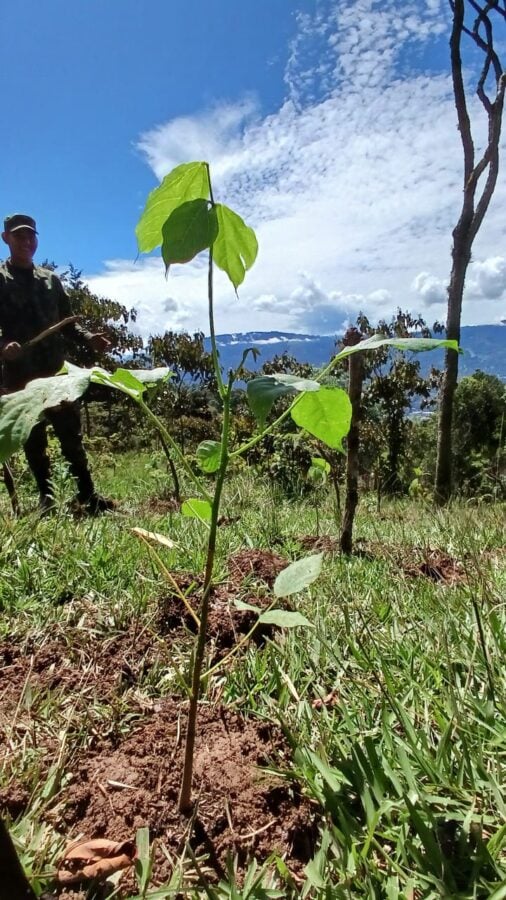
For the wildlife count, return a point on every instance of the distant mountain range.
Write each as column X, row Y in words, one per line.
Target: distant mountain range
column 484, row 347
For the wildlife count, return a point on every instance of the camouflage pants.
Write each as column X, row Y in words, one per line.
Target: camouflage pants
column 66, row 423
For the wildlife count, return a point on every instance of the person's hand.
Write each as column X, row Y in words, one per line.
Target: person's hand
column 11, row 351
column 99, row 342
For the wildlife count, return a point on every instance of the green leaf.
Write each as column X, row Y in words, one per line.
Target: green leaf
column 143, row 862
column 263, row 391
column 20, row 411
column 235, row 248
column 197, row 509
column 312, row 873
column 189, row 229
column 416, row 344
column 150, row 377
column 284, row 618
column 122, row 379
column 298, row 575
column 241, row 604
column 320, row 463
column 129, row 381
column 209, row 456
column 186, row 182
column 326, row 415
column 318, row 470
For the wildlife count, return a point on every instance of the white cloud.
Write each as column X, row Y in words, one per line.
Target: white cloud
column 353, row 186
column 487, row 279
column 431, row 289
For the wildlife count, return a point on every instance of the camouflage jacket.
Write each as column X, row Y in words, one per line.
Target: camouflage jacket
column 30, row 301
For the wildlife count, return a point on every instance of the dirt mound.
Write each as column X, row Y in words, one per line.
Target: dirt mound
column 437, row 566
column 242, row 809
column 227, row 624
column 416, row 561
column 323, row 544
column 71, row 665
column 262, row 565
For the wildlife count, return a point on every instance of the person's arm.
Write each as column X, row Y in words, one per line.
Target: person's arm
column 98, row 341
column 9, row 349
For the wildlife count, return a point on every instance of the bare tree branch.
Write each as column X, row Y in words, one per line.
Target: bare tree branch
column 474, row 203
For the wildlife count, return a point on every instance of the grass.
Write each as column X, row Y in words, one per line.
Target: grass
column 394, row 702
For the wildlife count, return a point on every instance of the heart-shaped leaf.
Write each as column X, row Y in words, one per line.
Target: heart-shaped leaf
column 197, row 509
column 123, row 380
column 189, row 229
column 263, row 391
column 209, row 456
column 379, row 340
column 298, row 575
column 186, row 182
column 20, row 411
column 284, row 618
column 326, row 415
column 235, row 247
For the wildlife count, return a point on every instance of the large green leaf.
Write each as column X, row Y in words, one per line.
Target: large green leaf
column 298, row 575
column 235, row 248
column 186, row 182
column 264, row 390
column 129, row 381
column 326, row 415
column 20, row 411
column 122, row 379
column 209, row 456
column 189, row 229
column 415, row 344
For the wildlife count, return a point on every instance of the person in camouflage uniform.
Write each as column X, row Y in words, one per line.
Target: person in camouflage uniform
column 32, row 299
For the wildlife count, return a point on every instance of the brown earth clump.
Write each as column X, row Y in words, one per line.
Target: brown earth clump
column 243, row 810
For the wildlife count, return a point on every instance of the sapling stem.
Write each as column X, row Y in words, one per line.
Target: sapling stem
column 186, row 782
column 214, row 348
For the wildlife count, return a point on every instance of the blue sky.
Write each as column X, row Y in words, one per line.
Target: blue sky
column 329, row 126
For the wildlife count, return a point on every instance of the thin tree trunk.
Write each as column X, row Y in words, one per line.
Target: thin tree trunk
column 14, row 884
column 473, row 207
column 356, row 376
column 444, row 467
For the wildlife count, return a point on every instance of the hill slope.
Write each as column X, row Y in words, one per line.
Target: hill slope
column 484, row 347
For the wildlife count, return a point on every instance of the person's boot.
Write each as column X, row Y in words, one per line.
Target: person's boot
column 93, row 503
column 47, row 504
column 46, row 495
column 96, row 504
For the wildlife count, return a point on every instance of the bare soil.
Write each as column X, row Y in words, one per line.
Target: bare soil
column 417, row 562
column 437, row 566
column 252, row 574
column 322, row 544
column 242, row 809
column 120, row 783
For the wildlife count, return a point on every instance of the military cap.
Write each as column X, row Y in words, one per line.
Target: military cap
column 19, row 220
